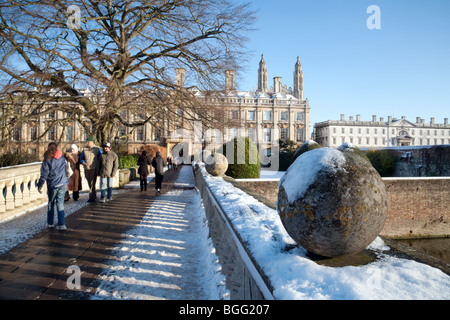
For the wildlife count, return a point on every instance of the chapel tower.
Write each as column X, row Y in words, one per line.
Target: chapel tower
column 262, row 76
column 298, row 80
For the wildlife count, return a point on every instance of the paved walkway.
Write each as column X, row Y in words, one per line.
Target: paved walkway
column 37, row 268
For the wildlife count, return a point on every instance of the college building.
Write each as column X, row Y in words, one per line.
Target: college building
column 264, row 115
column 380, row 133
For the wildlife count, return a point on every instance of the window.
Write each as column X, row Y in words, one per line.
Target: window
column 283, row 116
column 51, row 134
column 299, row 116
column 233, row 133
column 251, row 115
column 33, row 152
column 267, row 135
column 267, row 115
column 33, row 133
column 140, row 134
column 69, row 133
column 16, row 134
column 122, row 132
column 299, row 134
column 283, row 133
column 157, row 134
column 235, row 114
column 252, row 134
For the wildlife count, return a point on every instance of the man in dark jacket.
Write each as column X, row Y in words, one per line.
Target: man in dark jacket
column 158, row 164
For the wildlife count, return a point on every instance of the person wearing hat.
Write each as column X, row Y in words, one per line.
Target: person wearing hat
column 73, row 157
column 108, row 168
column 90, row 159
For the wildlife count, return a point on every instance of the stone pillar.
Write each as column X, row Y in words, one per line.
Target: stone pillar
column 18, row 195
column 9, row 198
column 2, row 198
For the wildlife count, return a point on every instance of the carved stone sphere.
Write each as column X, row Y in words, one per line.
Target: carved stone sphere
column 332, row 202
column 216, row 164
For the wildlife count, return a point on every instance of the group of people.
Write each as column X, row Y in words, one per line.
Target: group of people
column 157, row 163
column 172, row 164
column 62, row 174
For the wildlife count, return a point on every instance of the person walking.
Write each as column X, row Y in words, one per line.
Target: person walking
column 73, row 158
column 175, row 163
column 53, row 172
column 108, row 168
column 158, row 164
column 90, row 159
column 143, row 163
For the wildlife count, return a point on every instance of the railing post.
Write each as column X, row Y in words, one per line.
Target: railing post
column 9, row 198
column 34, row 194
column 18, row 195
column 2, row 198
column 26, row 191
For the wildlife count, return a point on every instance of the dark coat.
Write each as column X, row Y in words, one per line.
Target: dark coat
column 53, row 171
column 143, row 163
column 158, row 164
column 109, row 164
column 75, row 178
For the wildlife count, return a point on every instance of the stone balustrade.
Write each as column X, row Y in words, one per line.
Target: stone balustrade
column 19, row 192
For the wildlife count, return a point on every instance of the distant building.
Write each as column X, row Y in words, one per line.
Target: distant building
column 264, row 116
column 381, row 133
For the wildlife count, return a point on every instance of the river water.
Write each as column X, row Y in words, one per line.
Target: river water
column 438, row 248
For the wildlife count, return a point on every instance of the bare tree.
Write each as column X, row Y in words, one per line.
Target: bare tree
column 123, row 51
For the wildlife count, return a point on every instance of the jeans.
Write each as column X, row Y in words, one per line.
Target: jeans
column 106, row 187
column 56, row 196
column 91, row 177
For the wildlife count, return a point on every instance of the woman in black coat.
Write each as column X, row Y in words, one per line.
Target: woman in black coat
column 158, row 164
column 143, row 163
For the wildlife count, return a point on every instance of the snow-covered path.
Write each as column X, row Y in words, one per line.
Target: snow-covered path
column 168, row 255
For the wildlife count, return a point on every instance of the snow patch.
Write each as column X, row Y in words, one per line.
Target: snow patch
column 303, row 172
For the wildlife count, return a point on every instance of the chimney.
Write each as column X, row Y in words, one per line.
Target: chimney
column 389, row 119
column 381, row 119
column 446, row 121
column 358, row 117
column 342, row 117
column 179, row 77
column 374, row 118
column 230, row 84
column 278, row 84
column 432, row 121
column 417, row 119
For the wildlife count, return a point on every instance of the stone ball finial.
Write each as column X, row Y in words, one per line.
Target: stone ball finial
column 216, row 164
column 332, row 202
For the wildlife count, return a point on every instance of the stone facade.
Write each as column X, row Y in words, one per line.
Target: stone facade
column 381, row 133
column 264, row 116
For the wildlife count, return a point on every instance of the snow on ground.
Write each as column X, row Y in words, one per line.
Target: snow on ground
column 294, row 276
column 169, row 255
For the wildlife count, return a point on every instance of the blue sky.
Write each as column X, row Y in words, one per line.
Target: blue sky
column 402, row 69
